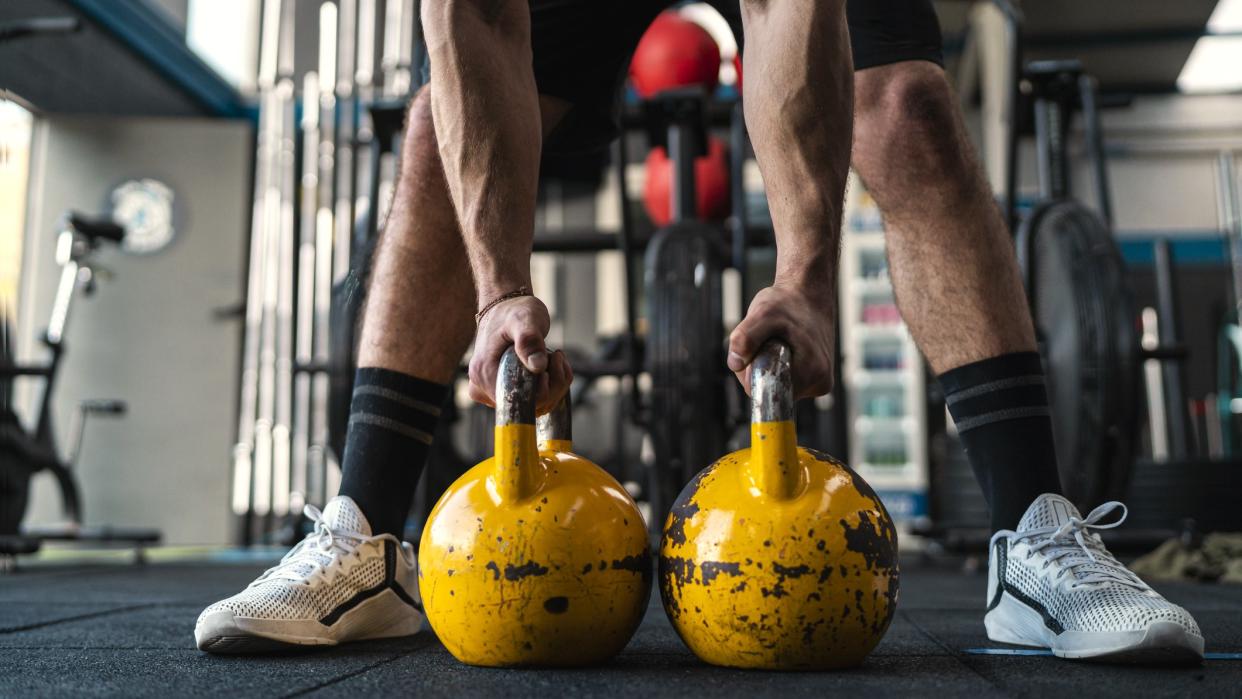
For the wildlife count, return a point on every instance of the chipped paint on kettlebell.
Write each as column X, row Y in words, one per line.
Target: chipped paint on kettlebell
column 753, row 581
column 526, row 590
column 508, row 559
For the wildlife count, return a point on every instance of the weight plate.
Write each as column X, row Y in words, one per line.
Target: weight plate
column 685, row 356
column 1084, row 318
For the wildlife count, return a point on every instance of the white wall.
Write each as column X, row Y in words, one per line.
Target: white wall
column 149, row 336
column 1161, row 165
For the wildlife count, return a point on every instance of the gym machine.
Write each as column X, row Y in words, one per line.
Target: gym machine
column 23, row 452
column 1086, row 320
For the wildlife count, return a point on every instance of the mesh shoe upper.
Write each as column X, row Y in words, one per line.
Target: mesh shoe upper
column 1057, row 561
column 337, row 560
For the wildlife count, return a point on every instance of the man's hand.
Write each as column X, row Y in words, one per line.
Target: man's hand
column 523, row 323
column 804, row 318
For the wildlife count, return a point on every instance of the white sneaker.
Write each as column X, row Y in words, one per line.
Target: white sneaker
column 1052, row 584
column 339, row 584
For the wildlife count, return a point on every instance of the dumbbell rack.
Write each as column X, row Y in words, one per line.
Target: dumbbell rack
column 882, row 370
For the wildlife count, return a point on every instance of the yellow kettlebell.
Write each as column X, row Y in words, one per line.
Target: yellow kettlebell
column 534, row 558
column 778, row 557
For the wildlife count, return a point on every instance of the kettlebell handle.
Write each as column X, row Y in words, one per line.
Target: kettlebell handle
column 771, row 383
column 515, row 391
column 557, row 423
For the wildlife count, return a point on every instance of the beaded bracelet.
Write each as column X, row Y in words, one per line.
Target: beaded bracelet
column 517, row 293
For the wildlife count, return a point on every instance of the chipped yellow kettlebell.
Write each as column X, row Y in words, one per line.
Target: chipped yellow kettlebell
column 532, row 557
column 778, row 557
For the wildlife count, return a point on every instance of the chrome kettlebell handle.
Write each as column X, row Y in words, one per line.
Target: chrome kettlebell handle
column 557, row 423
column 515, row 391
column 771, row 383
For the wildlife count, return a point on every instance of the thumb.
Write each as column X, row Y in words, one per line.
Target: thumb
column 531, row 350
column 742, row 346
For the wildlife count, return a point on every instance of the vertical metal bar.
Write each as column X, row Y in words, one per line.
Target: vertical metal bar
column 403, row 80
column 346, row 133
column 737, row 166
column 682, row 191
column 1230, row 216
column 244, row 452
column 282, row 414
column 1166, row 307
column 267, row 337
column 364, row 151
column 398, row 45
column 304, row 349
column 1013, row 27
column 1157, row 414
column 1088, row 92
column 317, row 461
column 1045, row 130
column 419, row 56
column 626, row 242
column 64, row 294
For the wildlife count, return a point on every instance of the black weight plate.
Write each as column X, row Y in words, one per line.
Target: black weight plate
column 14, row 474
column 1085, row 321
column 14, row 491
column 684, row 356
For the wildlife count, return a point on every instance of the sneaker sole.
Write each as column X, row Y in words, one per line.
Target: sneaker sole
column 1163, row 642
column 252, row 645
column 382, row 616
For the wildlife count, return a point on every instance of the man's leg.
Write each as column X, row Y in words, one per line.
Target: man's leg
column 418, row 322
column 1051, row 582
column 956, row 278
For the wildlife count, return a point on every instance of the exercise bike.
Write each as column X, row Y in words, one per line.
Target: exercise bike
column 23, row 452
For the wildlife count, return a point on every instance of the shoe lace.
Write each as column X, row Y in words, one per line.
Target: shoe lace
column 314, row 555
column 1077, row 550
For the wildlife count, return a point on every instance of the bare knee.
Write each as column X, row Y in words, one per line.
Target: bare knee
column 906, row 117
column 419, row 140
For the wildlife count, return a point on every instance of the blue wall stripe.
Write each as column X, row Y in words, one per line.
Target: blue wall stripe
column 149, row 35
column 1188, row 247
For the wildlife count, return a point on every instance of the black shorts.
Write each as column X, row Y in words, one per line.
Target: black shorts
column 582, row 51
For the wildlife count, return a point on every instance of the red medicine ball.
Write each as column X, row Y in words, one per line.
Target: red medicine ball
column 674, row 52
column 711, row 182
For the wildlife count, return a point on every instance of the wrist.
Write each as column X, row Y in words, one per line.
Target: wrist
column 810, row 272
column 816, row 284
column 494, row 289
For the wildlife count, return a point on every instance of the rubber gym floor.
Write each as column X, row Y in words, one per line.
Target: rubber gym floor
column 123, row 630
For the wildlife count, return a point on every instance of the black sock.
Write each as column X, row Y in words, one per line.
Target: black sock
column 392, row 418
column 1000, row 406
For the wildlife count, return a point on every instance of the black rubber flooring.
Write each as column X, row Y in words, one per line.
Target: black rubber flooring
column 127, row 631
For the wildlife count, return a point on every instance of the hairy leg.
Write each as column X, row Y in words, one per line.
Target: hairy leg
column 950, row 256
column 956, row 279
column 420, row 299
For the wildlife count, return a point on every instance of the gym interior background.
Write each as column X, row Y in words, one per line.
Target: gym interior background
column 247, row 148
